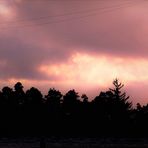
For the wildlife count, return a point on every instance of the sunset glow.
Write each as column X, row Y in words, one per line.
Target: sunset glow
column 97, row 70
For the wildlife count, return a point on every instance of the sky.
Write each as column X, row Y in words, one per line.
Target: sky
column 76, row 44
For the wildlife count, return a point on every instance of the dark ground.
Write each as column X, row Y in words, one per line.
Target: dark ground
column 75, row 142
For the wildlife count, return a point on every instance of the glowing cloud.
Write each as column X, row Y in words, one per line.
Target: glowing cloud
column 97, row 70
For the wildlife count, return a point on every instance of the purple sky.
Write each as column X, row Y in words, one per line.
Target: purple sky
column 75, row 44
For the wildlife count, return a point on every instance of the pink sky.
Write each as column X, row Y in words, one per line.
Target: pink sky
column 75, row 44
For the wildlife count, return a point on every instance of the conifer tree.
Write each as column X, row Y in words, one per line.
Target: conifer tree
column 120, row 97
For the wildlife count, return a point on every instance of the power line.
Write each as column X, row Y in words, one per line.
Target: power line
column 61, row 15
column 64, row 20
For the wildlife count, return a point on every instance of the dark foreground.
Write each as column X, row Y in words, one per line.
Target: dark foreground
column 75, row 142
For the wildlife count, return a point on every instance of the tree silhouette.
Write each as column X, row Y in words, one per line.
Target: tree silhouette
column 34, row 110
column 71, row 101
column 19, row 93
column 71, row 109
column 85, row 98
column 121, row 108
column 7, row 95
column 120, row 98
column 109, row 113
column 53, row 106
column 34, row 96
column 102, row 107
column 53, row 97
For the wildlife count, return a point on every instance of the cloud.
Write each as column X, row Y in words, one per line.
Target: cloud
column 121, row 32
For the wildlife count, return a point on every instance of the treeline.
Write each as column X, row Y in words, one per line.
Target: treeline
column 108, row 114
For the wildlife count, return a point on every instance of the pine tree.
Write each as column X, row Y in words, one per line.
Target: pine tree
column 120, row 97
